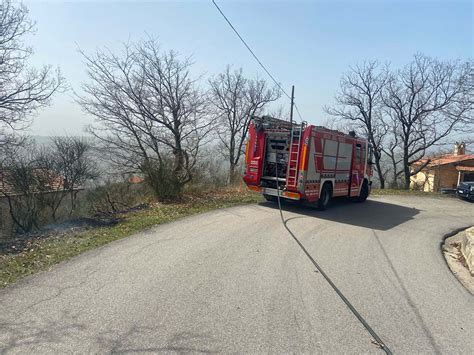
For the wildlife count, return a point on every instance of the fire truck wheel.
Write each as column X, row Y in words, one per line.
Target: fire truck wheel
column 364, row 192
column 325, row 197
column 270, row 198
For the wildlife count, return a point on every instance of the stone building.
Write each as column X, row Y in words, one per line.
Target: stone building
column 444, row 171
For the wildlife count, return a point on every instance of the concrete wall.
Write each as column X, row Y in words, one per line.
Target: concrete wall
column 5, row 221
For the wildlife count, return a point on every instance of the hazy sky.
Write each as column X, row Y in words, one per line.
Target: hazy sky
column 305, row 43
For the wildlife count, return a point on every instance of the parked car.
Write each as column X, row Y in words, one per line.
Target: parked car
column 465, row 190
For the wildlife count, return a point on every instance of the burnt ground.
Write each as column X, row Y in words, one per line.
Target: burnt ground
column 70, row 227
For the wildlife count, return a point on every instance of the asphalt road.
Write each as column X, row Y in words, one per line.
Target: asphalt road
column 234, row 281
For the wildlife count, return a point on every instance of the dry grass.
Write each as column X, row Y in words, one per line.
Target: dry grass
column 400, row 192
column 40, row 253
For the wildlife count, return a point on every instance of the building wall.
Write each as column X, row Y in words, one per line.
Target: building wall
column 446, row 177
column 436, row 178
column 423, row 181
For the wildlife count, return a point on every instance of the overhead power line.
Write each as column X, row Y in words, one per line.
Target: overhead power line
column 377, row 340
column 298, row 112
column 256, row 58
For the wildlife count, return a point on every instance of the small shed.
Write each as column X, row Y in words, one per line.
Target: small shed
column 444, row 171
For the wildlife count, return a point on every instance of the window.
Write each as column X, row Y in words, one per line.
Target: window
column 468, row 177
column 358, row 154
column 344, row 157
column 330, row 154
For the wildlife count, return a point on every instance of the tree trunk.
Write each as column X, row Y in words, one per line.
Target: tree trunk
column 406, row 172
column 232, row 177
column 379, row 170
column 232, row 160
column 395, row 176
column 406, row 165
column 12, row 215
column 72, row 203
column 178, row 151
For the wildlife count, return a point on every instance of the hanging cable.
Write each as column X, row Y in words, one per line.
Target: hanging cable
column 256, row 58
column 376, row 339
column 298, row 112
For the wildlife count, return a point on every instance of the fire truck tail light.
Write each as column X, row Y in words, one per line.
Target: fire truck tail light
column 254, row 188
column 294, row 195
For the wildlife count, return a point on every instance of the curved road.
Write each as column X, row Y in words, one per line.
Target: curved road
column 234, row 281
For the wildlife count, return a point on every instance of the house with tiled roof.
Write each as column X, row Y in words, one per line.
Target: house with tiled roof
column 444, row 171
column 52, row 183
column 135, row 179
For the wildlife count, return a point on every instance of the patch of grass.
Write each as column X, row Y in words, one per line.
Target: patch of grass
column 400, row 192
column 42, row 253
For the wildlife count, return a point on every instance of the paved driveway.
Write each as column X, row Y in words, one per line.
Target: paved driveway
column 234, row 281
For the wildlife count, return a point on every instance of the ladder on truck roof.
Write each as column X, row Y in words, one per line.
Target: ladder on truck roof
column 269, row 123
column 294, row 154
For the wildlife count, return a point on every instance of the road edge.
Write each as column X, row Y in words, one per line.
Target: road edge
column 453, row 256
column 221, row 205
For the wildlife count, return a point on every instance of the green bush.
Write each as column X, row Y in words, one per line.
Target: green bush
column 162, row 179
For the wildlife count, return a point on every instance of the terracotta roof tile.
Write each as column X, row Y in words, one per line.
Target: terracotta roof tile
column 56, row 184
column 445, row 159
column 135, row 179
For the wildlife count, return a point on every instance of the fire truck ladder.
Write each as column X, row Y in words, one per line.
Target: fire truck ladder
column 294, row 155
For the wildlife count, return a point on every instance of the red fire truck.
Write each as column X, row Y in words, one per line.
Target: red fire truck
column 308, row 163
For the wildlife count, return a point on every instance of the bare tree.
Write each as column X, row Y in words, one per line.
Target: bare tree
column 391, row 149
column 339, row 124
column 236, row 99
column 23, row 90
column 428, row 99
column 281, row 111
column 36, row 178
column 68, row 165
column 359, row 102
column 151, row 115
column 24, row 185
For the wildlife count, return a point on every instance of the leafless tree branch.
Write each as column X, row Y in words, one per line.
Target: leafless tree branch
column 147, row 108
column 235, row 100
column 359, row 102
column 428, row 100
column 23, row 90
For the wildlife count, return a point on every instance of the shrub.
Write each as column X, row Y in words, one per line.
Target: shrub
column 161, row 178
column 116, row 196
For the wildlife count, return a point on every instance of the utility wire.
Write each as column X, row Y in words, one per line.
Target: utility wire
column 298, row 111
column 250, row 49
column 377, row 339
column 256, row 58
